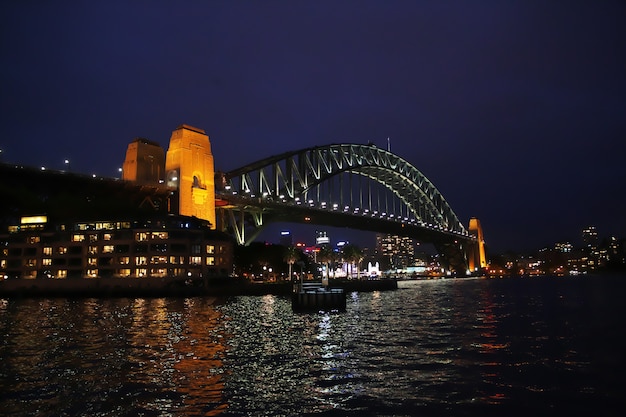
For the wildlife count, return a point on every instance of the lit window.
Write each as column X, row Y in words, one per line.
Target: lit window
column 210, row 260
column 92, row 273
column 47, row 251
column 93, row 249
column 210, row 248
column 93, row 238
column 106, row 226
column 108, row 249
column 78, row 238
column 62, row 250
column 124, row 260
column 141, row 236
column 46, row 261
column 33, row 239
column 92, row 261
column 107, row 236
column 159, row 235
column 142, row 272
column 140, row 260
column 195, row 260
column 158, row 272
column 62, row 273
column 176, row 259
column 124, row 272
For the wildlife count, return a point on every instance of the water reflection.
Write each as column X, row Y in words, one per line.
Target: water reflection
column 97, row 357
column 447, row 347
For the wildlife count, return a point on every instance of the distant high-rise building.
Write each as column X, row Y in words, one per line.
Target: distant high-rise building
column 321, row 238
column 590, row 236
column 144, row 163
column 399, row 250
column 285, row 238
column 563, row 247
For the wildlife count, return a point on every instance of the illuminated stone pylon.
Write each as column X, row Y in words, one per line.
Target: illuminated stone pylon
column 144, row 163
column 476, row 256
column 189, row 167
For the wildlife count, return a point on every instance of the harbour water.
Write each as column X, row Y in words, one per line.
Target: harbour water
column 526, row 346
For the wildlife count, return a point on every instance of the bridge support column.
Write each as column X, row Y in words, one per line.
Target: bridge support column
column 477, row 260
column 453, row 257
column 189, row 167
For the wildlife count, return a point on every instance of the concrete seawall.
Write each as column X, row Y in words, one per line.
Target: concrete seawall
column 164, row 287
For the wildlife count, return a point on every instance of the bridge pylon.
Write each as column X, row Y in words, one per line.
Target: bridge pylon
column 477, row 260
column 189, row 167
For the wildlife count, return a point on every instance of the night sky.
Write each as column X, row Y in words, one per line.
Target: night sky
column 515, row 110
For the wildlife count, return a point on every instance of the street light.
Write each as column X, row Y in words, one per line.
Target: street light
column 67, row 164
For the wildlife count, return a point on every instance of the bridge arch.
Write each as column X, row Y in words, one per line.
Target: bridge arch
column 313, row 178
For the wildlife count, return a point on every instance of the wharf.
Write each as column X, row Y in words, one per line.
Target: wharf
column 313, row 296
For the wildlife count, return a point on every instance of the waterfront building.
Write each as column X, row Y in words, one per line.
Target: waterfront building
column 158, row 246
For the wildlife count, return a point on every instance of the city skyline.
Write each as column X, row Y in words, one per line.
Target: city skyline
column 520, row 128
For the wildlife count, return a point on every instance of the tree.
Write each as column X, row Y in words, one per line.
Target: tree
column 325, row 256
column 292, row 255
column 353, row 255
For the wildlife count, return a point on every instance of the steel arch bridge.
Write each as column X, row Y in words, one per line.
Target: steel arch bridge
column 351, row 185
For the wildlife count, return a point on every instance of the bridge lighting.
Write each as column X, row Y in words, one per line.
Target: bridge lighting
column 43, row 168
column 282, row 197
column 227, row 187
column 265, row 194
column 335, row 206
column 93, row 175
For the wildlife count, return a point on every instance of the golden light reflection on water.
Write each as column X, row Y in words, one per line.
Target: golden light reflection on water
column 89, row 356
column 442, row 346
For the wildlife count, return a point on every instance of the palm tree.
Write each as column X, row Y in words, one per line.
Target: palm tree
column 292, row 255
column 353, row 255
column 325, row 256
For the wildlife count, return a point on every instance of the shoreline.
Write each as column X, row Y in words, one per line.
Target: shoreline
column 166, row 287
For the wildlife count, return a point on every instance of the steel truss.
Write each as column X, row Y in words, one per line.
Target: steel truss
column 361, row 179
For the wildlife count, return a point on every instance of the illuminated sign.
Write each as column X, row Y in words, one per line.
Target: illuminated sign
column 34, row 219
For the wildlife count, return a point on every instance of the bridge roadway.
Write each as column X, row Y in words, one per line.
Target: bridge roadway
column 272, row 212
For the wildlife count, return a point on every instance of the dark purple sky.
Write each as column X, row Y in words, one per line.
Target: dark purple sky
column 515, row 110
